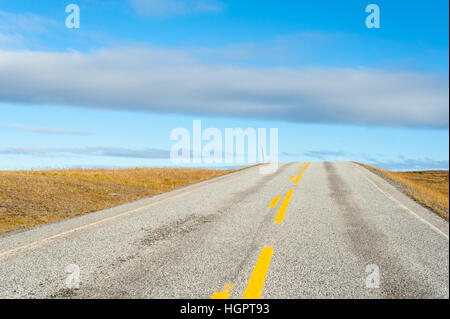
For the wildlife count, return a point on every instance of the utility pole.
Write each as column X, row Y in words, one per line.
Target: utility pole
column 262, row 151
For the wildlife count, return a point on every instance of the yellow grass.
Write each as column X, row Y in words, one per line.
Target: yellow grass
column 429, row 188
column 30, row 198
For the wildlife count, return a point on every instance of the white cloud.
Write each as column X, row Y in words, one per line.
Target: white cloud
column 24, row 23
column 408, row 164
column 166, row 8
column 155, row 80
column 22, row 29
column 10, row 39
column 48, row 130
column 149, row 153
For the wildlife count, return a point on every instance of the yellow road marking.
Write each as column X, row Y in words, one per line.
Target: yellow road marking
column 307, row 164
column 297, row 179
column 258, row 277
column 291, row 178
column 224, row 294
column 274, row 201
column 280, row 215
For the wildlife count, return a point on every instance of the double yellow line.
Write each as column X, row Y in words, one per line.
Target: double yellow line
column 284, row 205
column 224, row 294
column 282, row 210
column 256, row 282
column 305, row 167
column 257, row 279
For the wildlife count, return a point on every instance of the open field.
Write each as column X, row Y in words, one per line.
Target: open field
column 429, row 188
column 30, row 198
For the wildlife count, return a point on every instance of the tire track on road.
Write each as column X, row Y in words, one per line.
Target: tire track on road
column 370, row 245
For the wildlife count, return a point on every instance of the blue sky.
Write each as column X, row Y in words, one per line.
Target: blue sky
column 109, row 94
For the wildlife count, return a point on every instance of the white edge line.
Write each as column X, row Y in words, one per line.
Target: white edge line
column 404, row 206
column 41, row 241
column 126, row 213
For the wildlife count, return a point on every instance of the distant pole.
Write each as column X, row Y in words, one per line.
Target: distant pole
column 262, row 151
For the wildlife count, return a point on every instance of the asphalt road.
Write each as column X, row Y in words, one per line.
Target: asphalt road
column 338, row 231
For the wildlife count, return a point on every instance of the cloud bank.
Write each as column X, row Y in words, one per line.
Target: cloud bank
column 171, row 81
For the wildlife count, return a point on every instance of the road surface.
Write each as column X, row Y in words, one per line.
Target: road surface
column 323, row 230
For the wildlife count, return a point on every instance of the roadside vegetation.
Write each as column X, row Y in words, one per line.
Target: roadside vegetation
column 31, row 198
column 429, row 188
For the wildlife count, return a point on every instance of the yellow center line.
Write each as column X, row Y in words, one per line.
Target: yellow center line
column 224, row 294
column 291, row 178
column 258, row 277
column 307, row 164
column 274, row 201
column 282, row 210
column 297, row 179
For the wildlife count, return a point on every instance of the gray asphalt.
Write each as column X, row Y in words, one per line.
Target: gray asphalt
column 190, row 242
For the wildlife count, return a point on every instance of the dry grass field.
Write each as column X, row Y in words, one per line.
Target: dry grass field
column 429, row 188
column 30, row 198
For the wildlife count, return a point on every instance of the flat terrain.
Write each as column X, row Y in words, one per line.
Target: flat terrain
column 327, row 230
column 30, row 198
column 429, row 188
